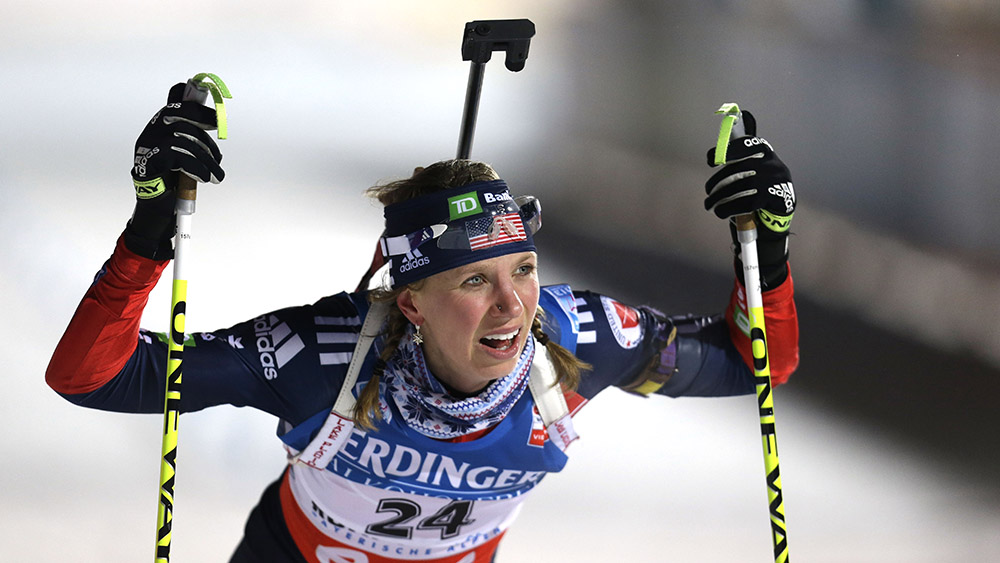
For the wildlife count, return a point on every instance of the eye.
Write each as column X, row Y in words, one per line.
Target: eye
column 475, row 280
column 526, row 269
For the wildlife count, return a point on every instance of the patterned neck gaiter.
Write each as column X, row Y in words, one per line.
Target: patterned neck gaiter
column 429, row 409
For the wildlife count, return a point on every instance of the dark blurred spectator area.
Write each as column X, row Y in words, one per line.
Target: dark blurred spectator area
column 886, row 112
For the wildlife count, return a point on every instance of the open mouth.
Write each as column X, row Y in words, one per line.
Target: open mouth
column 500, row 341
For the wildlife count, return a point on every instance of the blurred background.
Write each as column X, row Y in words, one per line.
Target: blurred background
column 885, row 111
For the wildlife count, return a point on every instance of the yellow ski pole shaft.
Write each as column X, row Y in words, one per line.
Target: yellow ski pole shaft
column 746, row 230
column 187, row 190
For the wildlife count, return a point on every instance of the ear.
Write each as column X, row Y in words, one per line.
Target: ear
column 409, row 307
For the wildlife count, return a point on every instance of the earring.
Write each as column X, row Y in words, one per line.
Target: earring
column 416, row 337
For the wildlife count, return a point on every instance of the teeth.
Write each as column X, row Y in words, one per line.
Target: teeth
column 507, row 336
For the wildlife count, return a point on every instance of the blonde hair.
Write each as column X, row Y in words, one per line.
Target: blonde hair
column 440, row 176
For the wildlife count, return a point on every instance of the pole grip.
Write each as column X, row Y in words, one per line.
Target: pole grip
column 745, row 222
column 187, row 188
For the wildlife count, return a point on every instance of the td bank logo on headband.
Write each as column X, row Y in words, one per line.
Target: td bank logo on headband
column 463, row 205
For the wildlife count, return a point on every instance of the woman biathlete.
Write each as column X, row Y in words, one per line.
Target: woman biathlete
column 416, row 416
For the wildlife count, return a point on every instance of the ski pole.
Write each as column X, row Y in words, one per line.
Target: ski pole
column 746, row 230
column 481, row 38
column 196, row 90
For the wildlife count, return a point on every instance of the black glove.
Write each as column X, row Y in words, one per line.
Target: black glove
column 754, row 180
column 175, row 141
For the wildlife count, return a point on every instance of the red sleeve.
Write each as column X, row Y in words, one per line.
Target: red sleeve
column 104, row 331
column 781, row 324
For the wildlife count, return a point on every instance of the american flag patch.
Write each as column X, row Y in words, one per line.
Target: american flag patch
column 495, row 230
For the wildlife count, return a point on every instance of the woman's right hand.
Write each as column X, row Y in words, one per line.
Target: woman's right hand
column 175, row 141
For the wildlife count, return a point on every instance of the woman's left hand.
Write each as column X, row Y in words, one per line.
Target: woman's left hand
column 753, row 179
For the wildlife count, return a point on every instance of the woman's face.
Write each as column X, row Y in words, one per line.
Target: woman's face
column 475, row 319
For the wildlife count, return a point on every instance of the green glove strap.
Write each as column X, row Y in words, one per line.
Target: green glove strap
column 219, row 91
column 149, row 189
column 732, row 112
column 776, row 223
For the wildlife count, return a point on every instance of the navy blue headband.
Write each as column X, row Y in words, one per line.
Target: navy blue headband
column 449, row 228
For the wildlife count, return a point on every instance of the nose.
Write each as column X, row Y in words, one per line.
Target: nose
column 507, row 303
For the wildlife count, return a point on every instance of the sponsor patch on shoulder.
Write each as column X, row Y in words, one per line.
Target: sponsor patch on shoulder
column 624, row 322
column 563, row 296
